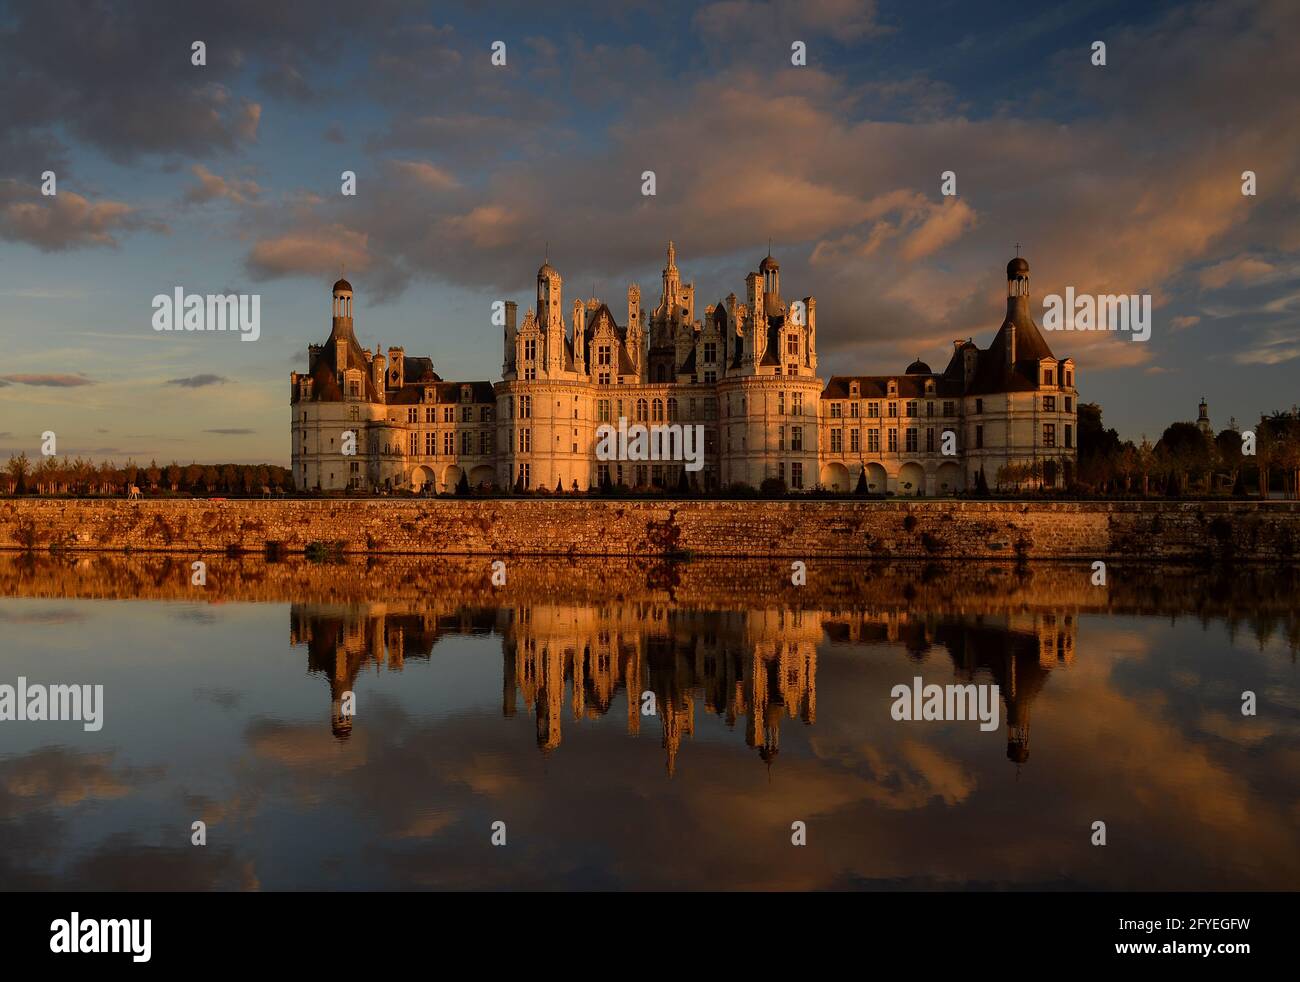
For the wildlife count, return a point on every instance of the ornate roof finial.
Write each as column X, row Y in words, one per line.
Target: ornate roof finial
column 1017, row 250
column 672, row 255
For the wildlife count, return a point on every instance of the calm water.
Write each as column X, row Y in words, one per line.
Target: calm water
column 772, row 705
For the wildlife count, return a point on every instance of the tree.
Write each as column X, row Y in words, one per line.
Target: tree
column 861, row 489
column 18, row 469
column 1186, row 451
column 981, row 484
column 1098, row 447
column 683, row 482
column 174, row 475
column 462, row 486
column 1227, row 445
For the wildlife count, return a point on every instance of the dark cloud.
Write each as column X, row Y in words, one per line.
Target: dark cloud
column 118, row 76
column 198, row 381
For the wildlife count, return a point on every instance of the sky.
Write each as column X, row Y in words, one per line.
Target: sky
column 1122, row 178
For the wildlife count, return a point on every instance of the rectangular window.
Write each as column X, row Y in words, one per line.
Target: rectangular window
column 467, row 443
column 873, row 441
column 979, row 437
column 873, row 410
column 415, row 446
column 1049, row 434
column 929, row 440
column 710, row 352
column 485, row 414
column 910, row 439
column 837, row 440
column 979, row 405
column 855, row 440
column 467, row 414
column 1069, row 378
column 1069, row 436
column 796, row 403
column 893, row 440
column 796, row 475
column 1069, row 404
column 837, row 410
column 430, row 444
column 449, row 443
column 710, row 408
column 484, row 443
column 525, row 407
column 780, row 403
column 909, row 408
column 780, row 439
column 413, row 415
column 449, row 414
column 796, row 438
column 710, row 376
column 1047, row 376
column 1049, row 404
column 530, row 349
column 853, row 410
column 949, row 408
column 603, row 355
column 430, row 415
column 602, row 410
column 525, row 440
column 893, row 410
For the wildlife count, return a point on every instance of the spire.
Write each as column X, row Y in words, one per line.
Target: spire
column 672, row 255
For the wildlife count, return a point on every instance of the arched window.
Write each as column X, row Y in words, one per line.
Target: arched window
column 641, row 410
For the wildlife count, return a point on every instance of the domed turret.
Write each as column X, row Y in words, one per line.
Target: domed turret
column 919, row 367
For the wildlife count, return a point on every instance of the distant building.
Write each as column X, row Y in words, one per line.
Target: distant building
column 1203, row 420
column 745, row 373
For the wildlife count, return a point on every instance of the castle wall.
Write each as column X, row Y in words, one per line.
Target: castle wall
column 1150, row 530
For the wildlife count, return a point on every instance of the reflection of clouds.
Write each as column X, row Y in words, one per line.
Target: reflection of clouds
column 38, row 792
column 56, row 776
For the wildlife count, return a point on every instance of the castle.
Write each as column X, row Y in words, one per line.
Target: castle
column 745, row 374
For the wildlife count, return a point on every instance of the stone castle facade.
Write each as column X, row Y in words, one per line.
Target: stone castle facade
column 745, row 374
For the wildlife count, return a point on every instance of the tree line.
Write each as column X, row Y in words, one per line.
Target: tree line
column 80, row 476
column 1188, row 460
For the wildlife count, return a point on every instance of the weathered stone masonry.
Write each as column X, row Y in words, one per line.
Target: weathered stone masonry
column 1172, row 531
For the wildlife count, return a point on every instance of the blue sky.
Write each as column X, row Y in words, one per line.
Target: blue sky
column 1123, row 178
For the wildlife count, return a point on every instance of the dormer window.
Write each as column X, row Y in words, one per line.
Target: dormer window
column 1048, row 375
column 855, row 390
column 466, row 394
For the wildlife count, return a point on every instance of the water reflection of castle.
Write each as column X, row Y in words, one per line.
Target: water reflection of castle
column 759, row 665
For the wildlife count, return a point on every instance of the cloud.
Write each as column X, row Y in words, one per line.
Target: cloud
column 334, row 134
column 65, row 220
column 231, row 432
column 1237, row 270
column 198, row 381
column 1183, row 322
column 309, row 253
column 52, row 381
column 211, row 186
